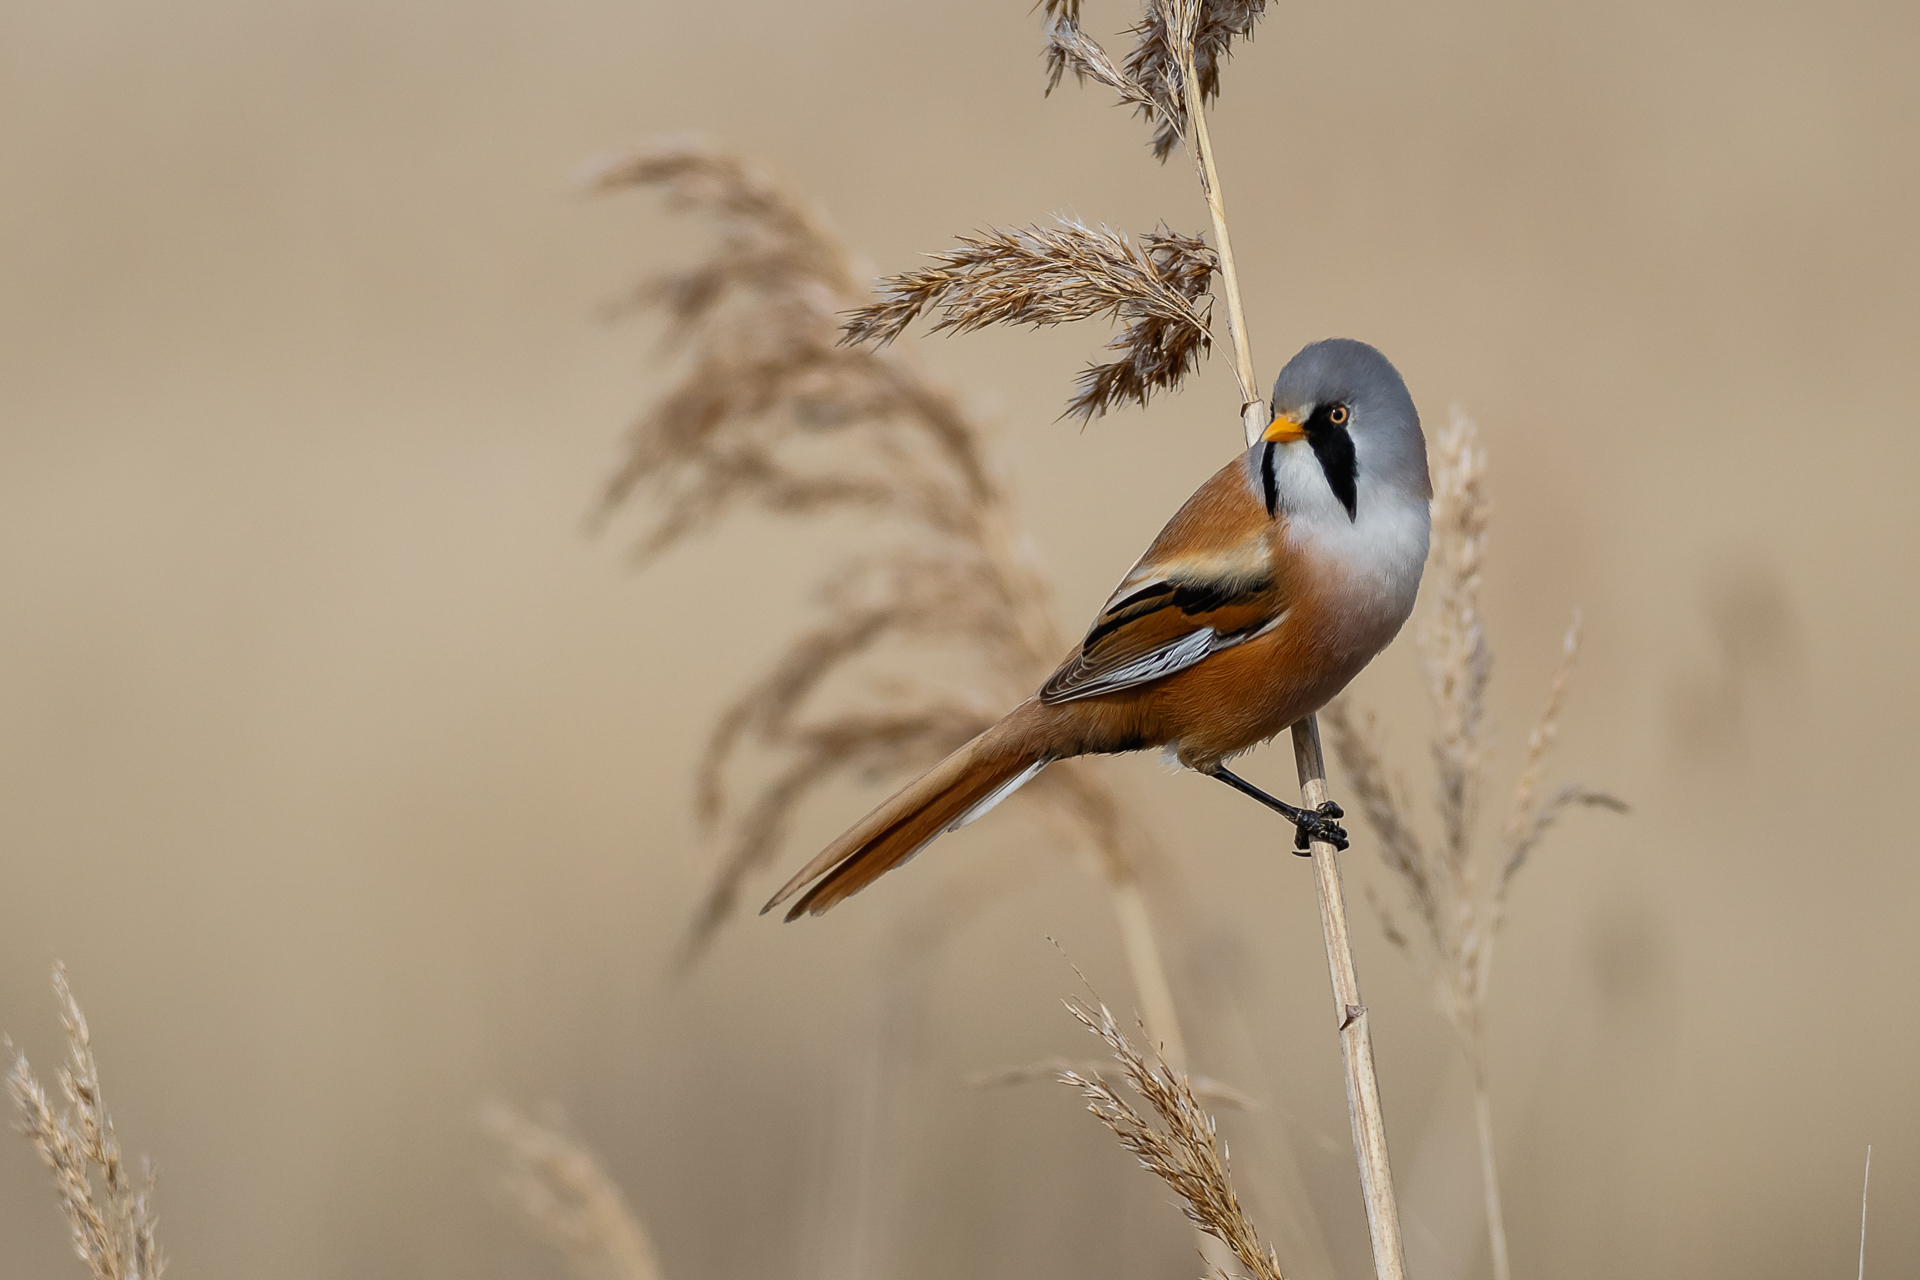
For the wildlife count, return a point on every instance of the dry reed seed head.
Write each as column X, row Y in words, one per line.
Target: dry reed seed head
column 1356, row 747
column 112, row 1224
column 1452, row 639
column 1572, row 795
column 758, row 320
column 1170, row 33
column 948, row 598
column 1028, row 275
column 560, row 1190
column 1528, row 824
column 1055, row 1069
column 1184, row 1150
column 1448, row 883
column 749, row 207
column 1541, row 740
column 1068, row 47
column 1389, row 928
column 1045, row 276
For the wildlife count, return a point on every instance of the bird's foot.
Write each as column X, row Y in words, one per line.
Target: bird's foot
column 1308, row 824
column 1319, row 824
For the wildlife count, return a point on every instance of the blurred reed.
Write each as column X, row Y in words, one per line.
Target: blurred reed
column 1457, row 886
column 108, row 1212
column 1866, row 1180
column 558, row 1188
column 772, row 410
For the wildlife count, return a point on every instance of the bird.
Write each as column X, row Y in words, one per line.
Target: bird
column 1265, row 594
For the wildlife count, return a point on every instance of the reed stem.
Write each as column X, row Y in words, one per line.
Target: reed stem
column 1253, row 409
column 1489, row 1175
column 1356, row 1044
column 1158, row 1013
column 1150, row 982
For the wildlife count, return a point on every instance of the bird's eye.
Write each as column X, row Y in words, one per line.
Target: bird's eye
column 1338, row 415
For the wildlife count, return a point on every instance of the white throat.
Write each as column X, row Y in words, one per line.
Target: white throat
column 1374, row 555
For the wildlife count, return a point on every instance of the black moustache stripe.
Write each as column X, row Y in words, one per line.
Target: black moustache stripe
column 1334, row 447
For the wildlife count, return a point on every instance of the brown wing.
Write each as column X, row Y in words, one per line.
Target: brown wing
column 1207, row 583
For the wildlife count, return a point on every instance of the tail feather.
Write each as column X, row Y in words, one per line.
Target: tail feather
column 953, row 793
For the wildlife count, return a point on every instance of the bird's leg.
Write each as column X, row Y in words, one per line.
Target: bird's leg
column 1308, row 824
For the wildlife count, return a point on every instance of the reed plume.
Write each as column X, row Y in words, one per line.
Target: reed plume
column 1457, row 886
column 1183, row 1150
column 1168, row 39
column 1036, row 276
column 1046, row 276
column 108, row 1211
column 558, row 1188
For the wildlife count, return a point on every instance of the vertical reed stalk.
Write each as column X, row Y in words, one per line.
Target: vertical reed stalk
column 1489, row 1174
column 1158, row 1014
column 1253, row 408
column 1150, row 982
column 1356, row 1046
column 1866, row 1180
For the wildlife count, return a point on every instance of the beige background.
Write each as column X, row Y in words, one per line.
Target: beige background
column 348, row 772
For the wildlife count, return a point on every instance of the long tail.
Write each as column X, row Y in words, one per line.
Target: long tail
column 950, row 795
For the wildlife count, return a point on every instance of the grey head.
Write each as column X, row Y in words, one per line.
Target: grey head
column 1343, row 400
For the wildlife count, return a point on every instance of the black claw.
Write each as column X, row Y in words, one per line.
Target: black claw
column 1321, row 828
column 1308, row 824
column 1326, row 828
column 1330, row 832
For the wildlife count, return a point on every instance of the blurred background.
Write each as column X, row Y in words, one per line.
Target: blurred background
column 349, row 771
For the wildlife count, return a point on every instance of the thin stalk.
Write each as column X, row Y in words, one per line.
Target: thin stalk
column 1489, row 1176
column 1865, row 1181
column 1253, row 409
column 1149, row 971
column 1157, row 1011
column 1356, row 1045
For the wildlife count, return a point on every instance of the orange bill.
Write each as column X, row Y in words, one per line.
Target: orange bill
column 1284, row 431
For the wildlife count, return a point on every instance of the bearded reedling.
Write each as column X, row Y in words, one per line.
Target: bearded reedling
column 1265, row 594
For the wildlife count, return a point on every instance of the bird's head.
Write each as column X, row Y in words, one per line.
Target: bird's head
column 1347, row 403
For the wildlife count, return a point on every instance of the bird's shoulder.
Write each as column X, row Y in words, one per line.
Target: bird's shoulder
column 1221, row 518
column 1210, row 580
